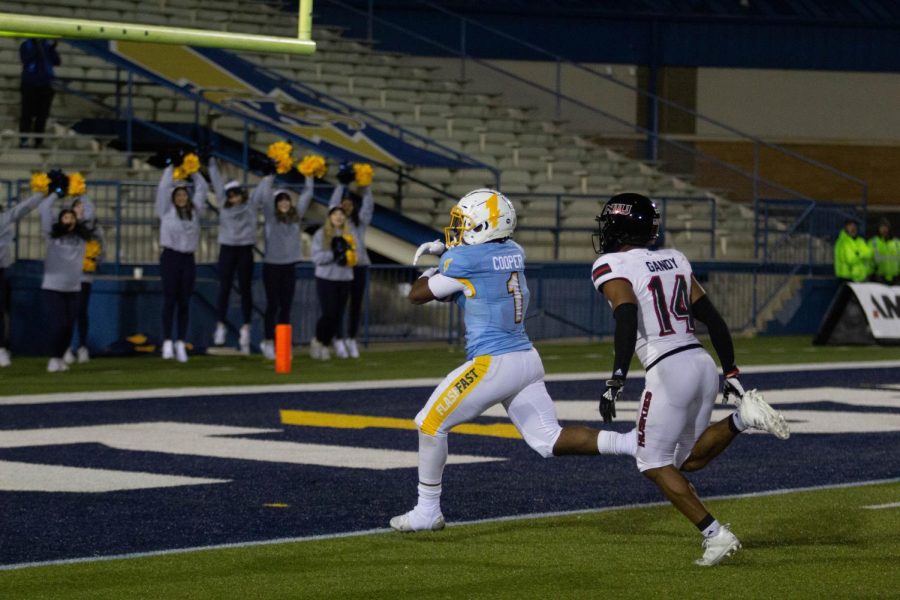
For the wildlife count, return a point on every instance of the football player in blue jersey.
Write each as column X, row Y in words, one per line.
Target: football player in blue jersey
column 483, row 270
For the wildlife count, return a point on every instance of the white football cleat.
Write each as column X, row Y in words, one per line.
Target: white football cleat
column 5, row 360
column 219, row 335
column 83, row 355
column 68, row 357
column 352, row 348
column 413, row 521
column 756, row 413
column 267, row 347
column 168, row 352
column 718, row 547
column 181, row 352
column 340, row 349
column 244, row 339
column 57, row 365
column 315, row 348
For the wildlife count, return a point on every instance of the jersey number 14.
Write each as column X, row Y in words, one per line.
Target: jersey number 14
column 680, row 307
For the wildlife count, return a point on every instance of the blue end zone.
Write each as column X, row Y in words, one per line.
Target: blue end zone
column 42, row 526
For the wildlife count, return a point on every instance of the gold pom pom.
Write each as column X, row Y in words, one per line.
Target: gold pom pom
column 40, row 183
column 178, row 173
column 364, row 173
column 280, row 152
column 351, row 255
column 91, row 252
column 312, row 165
column 190, row 164
column 77, row 185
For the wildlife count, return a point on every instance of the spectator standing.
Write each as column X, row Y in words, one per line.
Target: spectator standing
column 94, row 254
column 334, row 254
column 8, row 220
column 852, row 255
column 38, row 59
column 885, row 253
column 283, row 252
column 237, row 239
column 179, row 214
column 359, row 208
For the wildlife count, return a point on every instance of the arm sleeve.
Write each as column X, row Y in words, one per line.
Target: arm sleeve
column 90, row 211
column 626, row 316
column 442, row 286
column 201, row 189
column 368, row 207
column 262, row 196
column 607, row 268
column 336, row 196
column 706, row 313
column 215, row 178
column 47, row 214
column 24, row 207
column 164, row 192
column 320, row 255
column 306, row 196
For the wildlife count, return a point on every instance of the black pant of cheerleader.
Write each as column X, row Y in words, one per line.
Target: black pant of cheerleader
column 178, row 272
column 357, row 295
column 237, row 259
column 279, row 281
column 62, row 308
column 81, row 319
column 332, row 300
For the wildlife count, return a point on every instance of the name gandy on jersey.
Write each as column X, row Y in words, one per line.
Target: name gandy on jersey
column 666, row 264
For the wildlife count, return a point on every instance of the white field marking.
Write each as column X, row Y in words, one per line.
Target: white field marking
column 880, row 506
column 217, row 441
column 30, row 477
column 349, row 534
column 185, row 392
column 800, row 421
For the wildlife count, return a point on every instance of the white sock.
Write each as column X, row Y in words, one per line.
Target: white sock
column 611, row 442
column 738, row 422
column 432, row 458
column 429, row 499
column 712, row 529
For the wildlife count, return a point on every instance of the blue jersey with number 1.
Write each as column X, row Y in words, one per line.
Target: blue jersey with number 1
column 496, row 296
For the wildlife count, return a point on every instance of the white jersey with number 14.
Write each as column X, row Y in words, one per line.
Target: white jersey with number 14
column 662, row 283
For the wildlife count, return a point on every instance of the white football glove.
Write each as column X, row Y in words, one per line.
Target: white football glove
column 435, row 248
column 732, row 387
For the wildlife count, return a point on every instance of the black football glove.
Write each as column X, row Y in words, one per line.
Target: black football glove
column 609, row 397
column 732, row 386
column 59, row 183
column 346, row 174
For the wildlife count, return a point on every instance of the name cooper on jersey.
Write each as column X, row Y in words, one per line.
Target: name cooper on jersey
column 510, row 262
column 666, row 264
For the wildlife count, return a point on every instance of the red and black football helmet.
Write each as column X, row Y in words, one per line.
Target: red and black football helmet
column 627, row 220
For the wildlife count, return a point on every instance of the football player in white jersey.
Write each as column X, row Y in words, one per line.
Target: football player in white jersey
column 483, row 270
column 655, row 299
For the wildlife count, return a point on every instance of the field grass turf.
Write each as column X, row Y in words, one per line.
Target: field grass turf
column 813, row 544
column 397, row 361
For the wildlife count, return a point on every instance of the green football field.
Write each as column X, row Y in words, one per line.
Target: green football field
column 809, row 544
column 394, row 361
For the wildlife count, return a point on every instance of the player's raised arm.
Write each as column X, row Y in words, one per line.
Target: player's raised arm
column 703, row 310
column 625, row 311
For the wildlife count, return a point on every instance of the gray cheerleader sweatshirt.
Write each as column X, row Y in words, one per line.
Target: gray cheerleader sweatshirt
column 365, row 218
column 8, row 219
column 65, row 254
column 323, row 258
column 181, row 235
column 282, row 239
column 237, row 223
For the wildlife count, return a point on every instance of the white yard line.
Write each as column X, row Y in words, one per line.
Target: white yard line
column 880, row 506
column 66, row 397
column 348, row 534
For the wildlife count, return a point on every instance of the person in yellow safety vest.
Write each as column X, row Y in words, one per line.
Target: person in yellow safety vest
column 885, row 253
column 852, row 255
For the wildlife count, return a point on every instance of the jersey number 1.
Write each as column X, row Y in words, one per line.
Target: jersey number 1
column 512, row 287
column 680, row 308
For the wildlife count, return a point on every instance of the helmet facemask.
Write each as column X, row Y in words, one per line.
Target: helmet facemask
column 459, row 224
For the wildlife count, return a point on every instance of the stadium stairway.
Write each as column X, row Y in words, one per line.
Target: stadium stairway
column 541, row 166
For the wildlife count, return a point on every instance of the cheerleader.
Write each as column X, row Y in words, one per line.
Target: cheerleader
column 179, row 214
column 283, row 251
column 61, row 283
column 333, row 253
column 8, row 220
column 359, row 208
column 93, row 255
column 237, row 239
